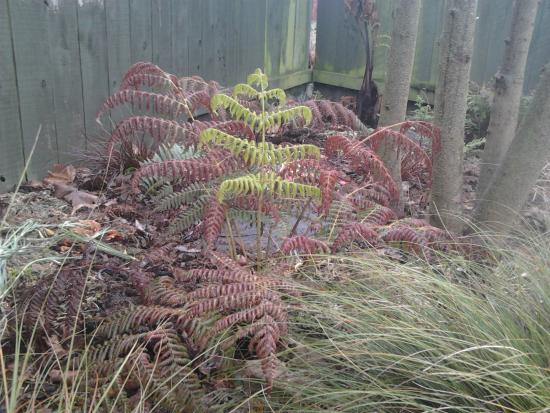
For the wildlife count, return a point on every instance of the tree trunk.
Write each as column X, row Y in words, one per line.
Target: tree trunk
column 368, row 100
column 508, row 91
column 528, row 153
column 398, row 81
column 455, row 57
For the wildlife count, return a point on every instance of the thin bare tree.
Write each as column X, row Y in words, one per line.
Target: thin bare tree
column 455, row 58
column 528, row 153
column 398, row 80
column 508, row 90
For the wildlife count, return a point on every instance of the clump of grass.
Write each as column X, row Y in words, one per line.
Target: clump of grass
column 457, row 336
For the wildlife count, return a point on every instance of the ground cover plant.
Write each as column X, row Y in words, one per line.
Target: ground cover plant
column 207, row 264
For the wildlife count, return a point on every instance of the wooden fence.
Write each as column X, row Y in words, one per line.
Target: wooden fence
column 340, row 56
column 59, row 59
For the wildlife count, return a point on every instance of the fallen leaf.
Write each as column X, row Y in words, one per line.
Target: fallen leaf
column 87, row 227
column 60, row 190
column 81, row 199
column 60, row 174
column 113, row 235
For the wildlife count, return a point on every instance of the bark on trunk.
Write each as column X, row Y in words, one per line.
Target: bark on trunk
column 368, row 99
column 508, row 91
column 528, row 153
column 398, row 81
column 450, row 111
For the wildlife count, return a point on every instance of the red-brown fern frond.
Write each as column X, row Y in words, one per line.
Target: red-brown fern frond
column 415, row 160
column 214, row 218
column 202, row 169
column 302, row 170
column 364, row 161
column 380, row 215
column 427, row 130
column 149, row 101
column 327, row 184
column 161, row 130
column 416, row 234
column 328, row 114
column 147, row 74
column 369, row 195
column 236, row 299
column 355, row 232
column 303, row 244
column 53, row 305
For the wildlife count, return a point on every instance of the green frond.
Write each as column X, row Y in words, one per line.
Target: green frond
column 279, row 117
column 236, row 109
column 257, row 78
column 265, row 182
column 236, row 146
column 173, row 200
column 173, row 152
column 191, row 216
column 244, row 89
column 155, row 185
column 277, row 94
column 259, row 154
column 160, row 186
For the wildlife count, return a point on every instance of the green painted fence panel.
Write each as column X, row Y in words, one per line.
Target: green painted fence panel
column 35, row 82
column 94, row 60
column 67, row 86
column 118, row 40
column 141, row 31
column 340, row 55
column 12, row 158
column 60, row 59
column 161, row 26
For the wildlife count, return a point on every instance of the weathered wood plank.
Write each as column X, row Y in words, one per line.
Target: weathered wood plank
column 252, row 36
column 11, row 145
column 179, row 29
column 67, row 88
column 275, row 35
column 193, row 28
column 539, row 50
column 161, row 19
column 140, row 31
column 232, row 45
column 34, row 82
column 208, row 40
column 117, row 14
column 94, row 60
column 300, row 58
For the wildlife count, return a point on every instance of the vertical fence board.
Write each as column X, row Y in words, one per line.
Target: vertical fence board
column 212, row 29
column 67, row 87
column 93, row 60
column 194, row 21
column 252, row 36
column 11, row 147
column 300, row 60
column 274, row 35
column 232, row 38
column 117, row 14
column 140, row 31
column 161, row 19
column 35, row 82
column 180, row 31
column 427, row 49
